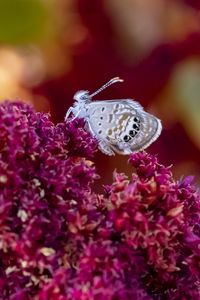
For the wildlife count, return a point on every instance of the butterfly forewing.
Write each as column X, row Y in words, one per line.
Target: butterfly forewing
column 109, row 118
column 122, row 124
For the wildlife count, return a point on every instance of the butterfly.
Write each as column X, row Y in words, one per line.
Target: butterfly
column 120, row 126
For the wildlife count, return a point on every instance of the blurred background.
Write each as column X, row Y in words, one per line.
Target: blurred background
column 50, row 49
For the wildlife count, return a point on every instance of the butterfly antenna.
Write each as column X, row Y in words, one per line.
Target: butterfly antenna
column 113, row 80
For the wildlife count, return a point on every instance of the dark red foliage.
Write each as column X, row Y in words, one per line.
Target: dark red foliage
column 59, row 240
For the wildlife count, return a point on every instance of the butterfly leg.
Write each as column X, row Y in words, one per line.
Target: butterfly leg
column 70, row 110
column 103, row 146
column 68, row 113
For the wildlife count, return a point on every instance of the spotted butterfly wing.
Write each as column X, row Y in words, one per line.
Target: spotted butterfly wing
column 121, row 126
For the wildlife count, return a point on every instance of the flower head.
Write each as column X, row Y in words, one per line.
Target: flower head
column 60, row 240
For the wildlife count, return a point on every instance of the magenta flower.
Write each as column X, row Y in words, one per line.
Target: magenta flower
column 59, row 240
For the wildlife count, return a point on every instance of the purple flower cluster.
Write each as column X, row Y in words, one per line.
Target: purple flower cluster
column 60, row 240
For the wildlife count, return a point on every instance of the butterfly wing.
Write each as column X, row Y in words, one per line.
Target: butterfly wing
column 122, row 125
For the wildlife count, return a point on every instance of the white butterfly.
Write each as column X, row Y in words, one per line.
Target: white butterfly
column 119, row 125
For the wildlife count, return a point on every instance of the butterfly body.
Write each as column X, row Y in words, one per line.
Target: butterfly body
column 120, row 125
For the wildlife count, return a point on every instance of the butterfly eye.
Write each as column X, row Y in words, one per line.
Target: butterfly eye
column 127, row 138
column 132, row 133
column 136, row 127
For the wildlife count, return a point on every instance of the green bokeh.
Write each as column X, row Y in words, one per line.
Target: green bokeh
column 22, row 21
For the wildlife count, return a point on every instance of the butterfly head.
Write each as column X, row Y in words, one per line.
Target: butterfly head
column 82, row 96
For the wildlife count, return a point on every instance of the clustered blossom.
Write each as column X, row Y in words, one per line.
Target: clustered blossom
column 60, row 240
